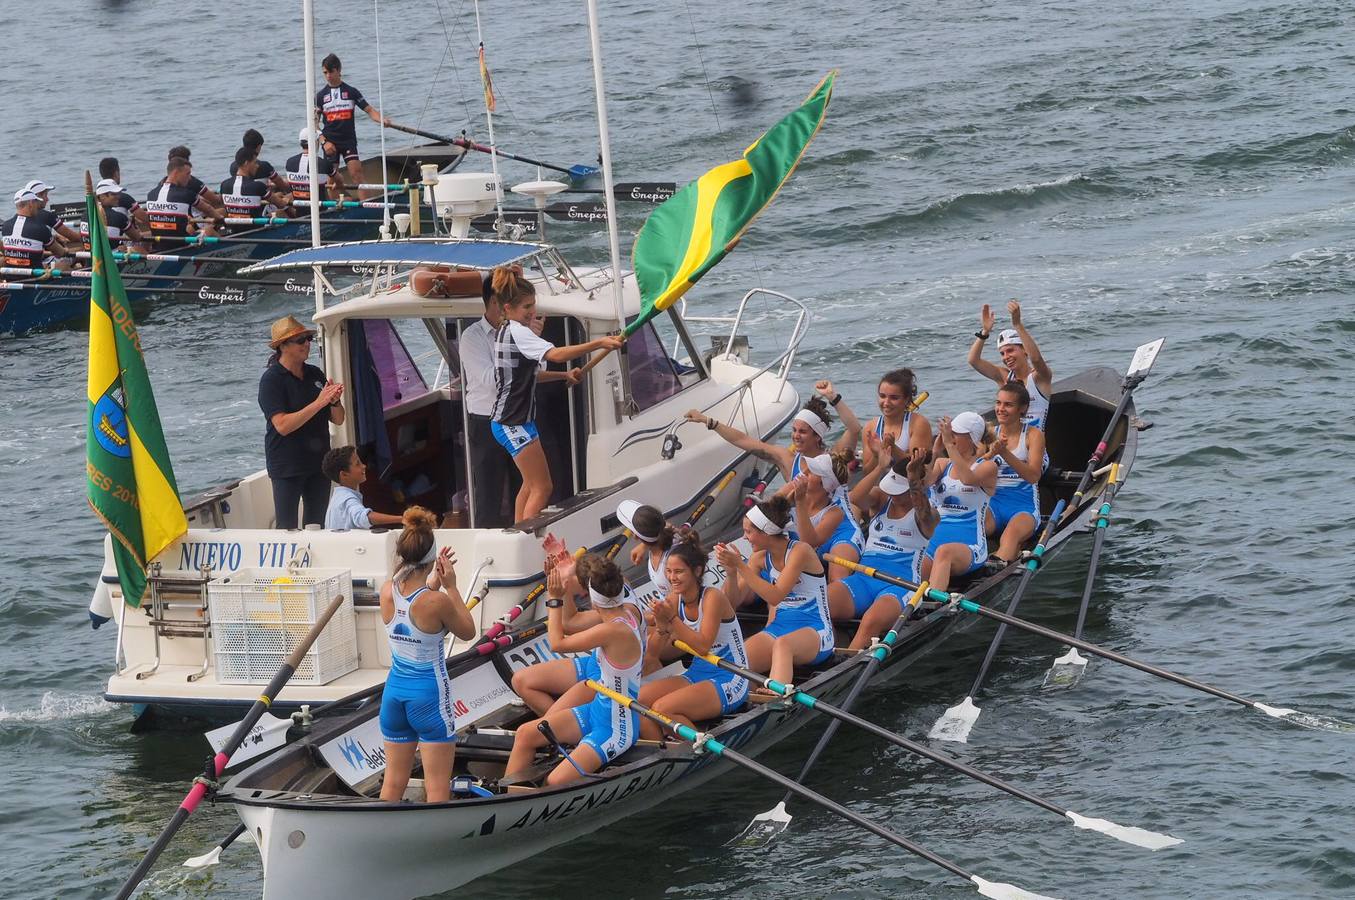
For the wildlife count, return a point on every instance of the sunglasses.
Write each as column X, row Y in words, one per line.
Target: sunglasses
column 301, row 339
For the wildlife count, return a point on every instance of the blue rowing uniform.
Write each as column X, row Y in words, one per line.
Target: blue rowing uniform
column 963, row 509
column 1038, row 411
column 586, row 665
column 847, row 531
column 902, row 440
column 1014, row 494
column 728, row 645
column 796, row 465
column 609, row 728
column 416, row 704
column 894, row 546
column 806, row 606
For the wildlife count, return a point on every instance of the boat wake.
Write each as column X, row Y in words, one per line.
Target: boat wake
column 56, row 707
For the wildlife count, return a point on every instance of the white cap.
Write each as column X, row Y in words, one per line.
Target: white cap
column 305, row 135
column 37, row 187
column 625, row 514
column 894, row 484
column 822, row 466
column 1009, row 336
column 107, row 186
column 24, row 195
column 970, row 423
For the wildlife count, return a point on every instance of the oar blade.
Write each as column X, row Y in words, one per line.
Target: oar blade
column 580, row 173
column 268, row 734
column 210, row 858
column 1067, row 670
column 763, row 828
column 956, row 723
column 1306, row 720
column 1139, row 837
column 1000, row 890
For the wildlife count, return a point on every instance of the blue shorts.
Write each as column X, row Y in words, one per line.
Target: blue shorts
column 412, row 713
column 1010, row 502
column 965, row 531
column 846, row 533
column 514, row 438
column 607, row 727
column 732, row 689
column 788, row 620
column 866, row 590
column 586, row 667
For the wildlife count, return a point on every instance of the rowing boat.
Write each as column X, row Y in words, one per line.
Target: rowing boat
column 311, row 805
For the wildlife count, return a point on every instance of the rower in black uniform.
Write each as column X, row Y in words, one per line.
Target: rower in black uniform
column 335, row 104
column 171, row 203
column 67, row 237
column 194, row 182
column 253, row 140
column 25, row 240
column 111, row 170
column 245, row 195
column 119, row 224
column 298, row 171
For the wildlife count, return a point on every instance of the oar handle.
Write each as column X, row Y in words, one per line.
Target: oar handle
column 706, row 501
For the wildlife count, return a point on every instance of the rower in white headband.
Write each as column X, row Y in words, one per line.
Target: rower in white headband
column 764, row 524
column 812, row 419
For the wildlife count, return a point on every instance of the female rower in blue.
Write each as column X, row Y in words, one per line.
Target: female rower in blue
column 1022, row 360
column 518, row 355
column 703, row 618
column 894, row 495
column 962, row 486
column 808, row 430
column 653, row 540
column 788, row 576
column 823, row 515
column 896, row 394
column 601, row 729
column 419, row 606
column 1018, row 450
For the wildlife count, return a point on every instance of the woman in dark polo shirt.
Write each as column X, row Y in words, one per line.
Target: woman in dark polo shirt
column 298, row 404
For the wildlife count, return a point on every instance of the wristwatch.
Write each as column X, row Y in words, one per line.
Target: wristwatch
column 837, row 398
column 554, row 604
column 982, row 335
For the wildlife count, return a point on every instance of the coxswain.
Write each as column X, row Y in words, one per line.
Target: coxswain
column 170, row 203
column 896, row 394
column 703, row 618
column 1022, row 360
column 962, row 486
column 1018, row 450
column 25, row 240
column 419, row 606
column 67, row 237
column 823, row 515
column 245, row 195
column 111, row 170
column 518, row 354
column 807, row 432
column 334, row 105
column 195, row 183
column 601, row 729
column 298, row 170
column 894, row 496
column 253, row 140
column 788, row 576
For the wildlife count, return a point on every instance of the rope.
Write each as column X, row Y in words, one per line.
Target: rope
column 489, row 120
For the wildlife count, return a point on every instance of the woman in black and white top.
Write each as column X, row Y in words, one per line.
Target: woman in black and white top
column 518, row 354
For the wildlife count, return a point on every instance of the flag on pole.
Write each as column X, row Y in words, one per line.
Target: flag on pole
column 486, row 81
column 694, row 229
column 130, row 483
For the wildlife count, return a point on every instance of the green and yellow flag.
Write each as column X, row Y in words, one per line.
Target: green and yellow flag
column 694, row 229
column 131, row 485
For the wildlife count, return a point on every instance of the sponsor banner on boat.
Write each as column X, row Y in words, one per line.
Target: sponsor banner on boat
column 360, row 753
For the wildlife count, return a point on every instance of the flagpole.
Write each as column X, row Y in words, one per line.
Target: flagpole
column 489, row 120
column 313, row 145
column 613, row 237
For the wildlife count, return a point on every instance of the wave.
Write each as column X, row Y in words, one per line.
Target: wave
column 1321, row 148
column 55, row 707
column 972, row 205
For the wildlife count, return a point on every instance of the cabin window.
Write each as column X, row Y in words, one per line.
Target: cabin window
column 654, row 374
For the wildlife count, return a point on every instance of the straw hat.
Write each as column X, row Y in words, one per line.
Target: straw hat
column 285, row 329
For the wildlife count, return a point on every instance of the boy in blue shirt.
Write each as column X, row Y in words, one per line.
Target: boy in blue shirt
column 344, row 467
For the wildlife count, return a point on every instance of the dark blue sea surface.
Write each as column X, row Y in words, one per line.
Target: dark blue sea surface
column 1130, row 171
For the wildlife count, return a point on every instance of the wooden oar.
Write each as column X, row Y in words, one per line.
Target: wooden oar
column 577, row 172
column 1139, row 837
column 218, row 763
column 769, row 824
column 956, row 723
column 706, row 501
column 1068, row 669
column 707, row 744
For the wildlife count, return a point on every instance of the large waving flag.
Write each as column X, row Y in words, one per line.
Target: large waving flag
column 131, row 484
column 694, row 229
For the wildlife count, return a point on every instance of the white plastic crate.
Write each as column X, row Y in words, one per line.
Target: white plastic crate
column 261, row 615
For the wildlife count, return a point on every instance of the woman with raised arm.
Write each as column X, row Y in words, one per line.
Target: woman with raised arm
column 894, row 495
column 807, row 432
column 962, row 486
column 1018, row 450
column 896, row 394
column 1021, row 361
column 419, row 606
column 790, row 579
column 518, row 355
column 824, row 518
column 703, row 618
column 600, row 729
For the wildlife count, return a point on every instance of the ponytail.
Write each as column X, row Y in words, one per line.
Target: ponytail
column 509, row 287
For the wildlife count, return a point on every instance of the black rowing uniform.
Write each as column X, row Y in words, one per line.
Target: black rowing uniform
column 265, row 172
column 298, row 175
column 245, row 197
column 127, row 203
column 24, row 241
column 170, row 208
column 336, row 107
column 117, row 220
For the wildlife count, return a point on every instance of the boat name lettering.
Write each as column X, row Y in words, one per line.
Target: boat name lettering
column 638, row 193
column 226, row 556
column 221, row 294
column 588, row 213
column 601, row 796
column 292, row 286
